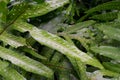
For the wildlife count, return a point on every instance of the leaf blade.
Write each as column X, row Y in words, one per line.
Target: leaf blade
column 56, row 42
column 25, row 62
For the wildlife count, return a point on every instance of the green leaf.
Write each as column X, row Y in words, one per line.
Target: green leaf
column 56, row 42
column 105, row 17
column 80, row 68
column 16, row 12
column 9, row 73
column 112, row 66
column 26, row 63
column 12, row 40
column 108, row 51
column 33, row 53
column 109, row 73
column 111, row 5
column 43, row 8
column 3, row 11
column 110, row 31
column 79, row 26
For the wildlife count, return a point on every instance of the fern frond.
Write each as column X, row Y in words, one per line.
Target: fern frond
column 108, row 51
column 106, row 72
column 25, row 62
column 55, row 42
column 9, row 73
column 79, row 26
column 33, row 53
column 44, row 8
column 105, row 17
column 16, row 12
column 80, row 68
column 112, row 5
column 110, row 31
column 12, row 40
column 112, row 66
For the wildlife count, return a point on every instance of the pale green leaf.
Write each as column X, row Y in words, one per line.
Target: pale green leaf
column 79, row 26
column 12, row 40
column 80, row 68
column 9, row 73
column 44, row 8
column 108, row 51
column 112, row 66
column 109, row 73
column 110, row 31
column 26, row 63
column 56, row 42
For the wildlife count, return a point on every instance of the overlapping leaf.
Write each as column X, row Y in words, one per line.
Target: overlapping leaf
column 25, row 62
column 55, row 42
column 112, row 5
column 9, row 73
column 108, row 51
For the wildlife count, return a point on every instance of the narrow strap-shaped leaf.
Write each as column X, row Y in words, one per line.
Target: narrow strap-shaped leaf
column 109, row 73
column 80, row 68
column 79, row 26
column 17, row 11
column 105, row 17
column 108, row 51
column 110, row 31
column 56, row 58
column 25, row 62
column 64, row 74
column 45, row 7
column 106, row 6
column 112, row 66
column 12, row 40
column 56, row 42
column 33, row 53
column 47, row 52
column 9, row 73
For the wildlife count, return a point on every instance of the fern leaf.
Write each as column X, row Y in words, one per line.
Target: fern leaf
column 56, row 57
column 33, row 53
column 44, row 8
column 105, row 17
column 3, row 11
column 112, row 67
column 80, row 68
column 112, row 5
column 110, row 31
column 17, row 11
column 109, row 73
column 108, row 51
column 26, row 63
column 79, row 26
column 9, row 73
column 47, row 52
column 12, row 40
column 56, row 42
